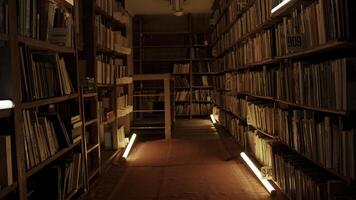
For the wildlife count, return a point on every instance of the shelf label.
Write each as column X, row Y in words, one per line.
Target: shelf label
column 266, row 172
column 295, row 42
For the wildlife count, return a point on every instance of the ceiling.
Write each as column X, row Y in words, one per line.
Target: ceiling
column 155, row 7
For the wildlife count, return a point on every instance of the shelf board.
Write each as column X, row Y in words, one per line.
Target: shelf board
column 180, row 74
column 166, row 46
column 204, row 73
column 181, row 88
column 44, row 102
column 147, row 127
column 325, row 110
column 147, row 111
column 88, row 95
column 90, row 122
column 124, row 81
column 107, row 156
column 201, row 59
column 111, row 52
column 331, row 171
column 200, row 45
column 148, row 95
column 4, row 37
column 6, row 190
column 166, row 60
column 105, row 85
column 202, row 87
column 165, row 33
column 50, row 160
column 179, row 101
column 116, row 23
column 45, row 45
column 263, row 132
column 92, row 148
column 329, row 46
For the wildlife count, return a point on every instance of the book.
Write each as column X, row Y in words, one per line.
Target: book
column 44, row 75
column 6, row 173
column 47, row 21
column 181, row 68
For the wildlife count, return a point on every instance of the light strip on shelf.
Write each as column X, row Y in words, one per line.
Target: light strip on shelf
column 6, row 104
column 213, row 119
column 129, row 146
column 257, row 172
column 279, row 6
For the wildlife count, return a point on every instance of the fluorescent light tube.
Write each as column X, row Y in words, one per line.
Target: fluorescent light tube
column 129, row 146
column 213, row 119
column 257, row 172
column 6, row 104
column 279, row 6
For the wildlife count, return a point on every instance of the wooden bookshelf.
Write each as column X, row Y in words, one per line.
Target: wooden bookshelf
column 43, row 45
column 278, row 59
column 50, row 160
column 112, row 90
column 44, row 102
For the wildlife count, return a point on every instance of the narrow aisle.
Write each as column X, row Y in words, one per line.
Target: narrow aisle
column 191, row 166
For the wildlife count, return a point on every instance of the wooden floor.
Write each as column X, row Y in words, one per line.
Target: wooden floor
column 194, row 165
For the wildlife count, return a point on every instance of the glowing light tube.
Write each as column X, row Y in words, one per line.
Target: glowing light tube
column 279, row 6
column 213, row 119
column 6, row 104
column 129, row 146
column 257, row 172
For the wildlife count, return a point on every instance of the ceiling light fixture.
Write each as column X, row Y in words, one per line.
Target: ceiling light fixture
column 177, row 7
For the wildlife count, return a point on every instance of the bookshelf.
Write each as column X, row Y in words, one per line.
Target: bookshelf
column 46, row 104
column 184, row 45
column 55, row 124
column 258, row 102
column 106, row 57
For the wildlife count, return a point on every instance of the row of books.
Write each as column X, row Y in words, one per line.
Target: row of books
column 304, row 83
column 201, row 66
column 237, row 106
column 202, row 80
column 257, row 14
column 48, row 21
column 318, row 23
column 59, row 180
column 298, row 82
column 45, row 135
column 181, row 81
column 6, row 173
column 182, row 95
column 114, row 9
column 181, row 68
column 201, row 95
column 108, row 38
column 299, row 178
column 261, row 116
column 109, row 69
column 44, row 75
column 105, row 109
column 201, row 109
column 324, row 139
column 182, row 109
column 261, row 83
column 4, row 20
column 122, row 101
column 255, row 49
column 234, row 8
column 238, row 129
column 261, row 146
